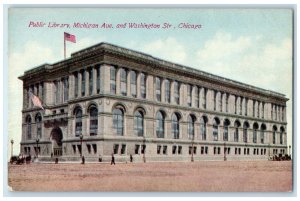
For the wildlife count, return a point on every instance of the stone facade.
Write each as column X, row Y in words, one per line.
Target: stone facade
column 107, row 99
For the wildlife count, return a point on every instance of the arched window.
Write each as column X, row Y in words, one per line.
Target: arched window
column 78, row 121
column 245, row 132
column 262, row 133
column 226, row 125
column 139, row 123
column 118, row 121
column 237, row 124
column 255, row 128
column 28, row 127
column 216, row 123
column 160, row 125
column 274, row 134
column 38, row 121
column 93, row 120
column 123, row 82
column 175, row 126
column 191, row 126
column 281, row 135
column 203, row 122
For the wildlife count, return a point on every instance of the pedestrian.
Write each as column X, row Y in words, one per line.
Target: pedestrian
column 112, row 159
column 131, row 159
column 82, row 160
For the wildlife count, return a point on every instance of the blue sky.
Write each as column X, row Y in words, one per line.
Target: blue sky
column 253, row 46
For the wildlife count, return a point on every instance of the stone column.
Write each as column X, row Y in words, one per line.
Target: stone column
column 94, row 70
column 150, row 88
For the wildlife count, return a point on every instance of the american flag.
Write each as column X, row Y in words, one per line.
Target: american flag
column 69, row 37
column 35, row 100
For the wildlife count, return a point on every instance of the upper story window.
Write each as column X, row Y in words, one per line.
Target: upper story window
column 191, row 126
column 220, row 102
column 226, row 102
column 139, row 123
column 246, row 106
column 83, row 83
column 175, row 126
column 98, row 71
column 197, row 97
column 123, row 83
column 176, row 92
column 204, row 98
column 263, row 110
column 38, row 121
column 91, row 80
column 189, row 95
column 158, row 88
column 56, row 91
column 203, row 123
column 240, row 105
column 118, row 121
column 112, row 80
column 235, row 105
column 28, row 127
column 66, row 89
column 245, row 132
column 76, row 84
column 255, row 128
column 253, row 108
column 160, row 125
column 93, row 120
column 143, row 85
column 167, row 91
column 78, row 121
column 215, row 100
column 133, row 83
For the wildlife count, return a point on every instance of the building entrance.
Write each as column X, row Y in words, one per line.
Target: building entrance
column 56, row 138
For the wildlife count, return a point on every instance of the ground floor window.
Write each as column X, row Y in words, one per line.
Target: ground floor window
column 116, row 148
column 137, row 149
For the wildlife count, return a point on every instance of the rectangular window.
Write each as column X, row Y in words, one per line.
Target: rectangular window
column 83, row 83
column 215, row 100
column 246, row 107
column 66, row 89
column 235, row 105
column 143, row 149
column 133, row 83
column 123, row 82
column 254, row 151
column 98, row 79
column 206, row 150
column 190, row 150
column 167, row 91
column 165, row 149
column 179, row 150
column 263, row 110
column 204, row 98
column 176, row 92
column 91, row 80
column 239, row 151
column 220, row 101
column 76, row 84
column 116, row 148
column 143, row 85
column 123, row 149
column 248, row 151
column 56, row 92
column 189, row 94
column 258, row 104
column 219, row 150
column 195, row 150
column 202, row 150
column 215, row 150
column 196, row 97
column 88, row 148
column 95, row 148
column 137, row 149
column 253, row 109
column 227, row 99
column 74, row 149
column 158, row 88
column 240, row 105
column 158, row 149
column 112, row 80
column 174, row 149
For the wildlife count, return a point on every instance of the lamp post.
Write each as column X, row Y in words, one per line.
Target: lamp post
column 144, row 149
column 12, row 147
column 81, row 137
column 37, row 147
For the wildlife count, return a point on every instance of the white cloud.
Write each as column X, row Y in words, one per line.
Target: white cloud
column 169, row 49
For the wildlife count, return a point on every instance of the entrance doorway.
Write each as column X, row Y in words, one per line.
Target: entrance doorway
column 56, row 137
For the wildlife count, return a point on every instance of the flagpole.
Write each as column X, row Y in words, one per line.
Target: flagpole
column 64, row 46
